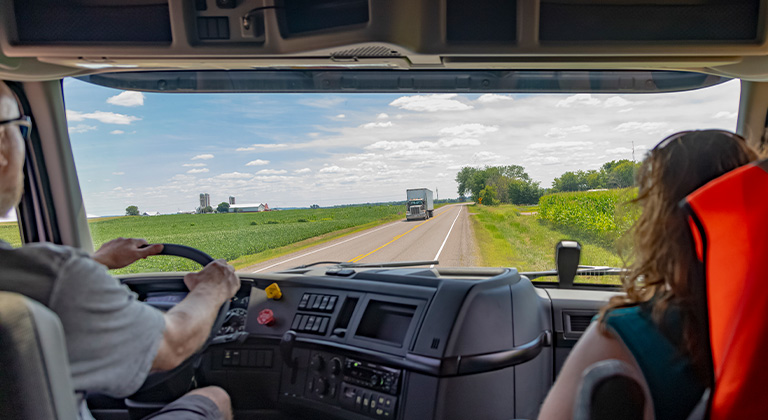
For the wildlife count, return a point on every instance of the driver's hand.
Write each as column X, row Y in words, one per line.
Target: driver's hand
column 218, row 275
column 121, row 252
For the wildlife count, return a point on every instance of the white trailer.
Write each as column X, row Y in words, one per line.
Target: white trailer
column 419, row 204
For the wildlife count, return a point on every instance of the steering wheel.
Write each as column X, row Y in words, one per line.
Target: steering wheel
column 166, row 386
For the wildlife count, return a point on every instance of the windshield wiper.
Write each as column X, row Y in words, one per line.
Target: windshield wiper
column 583, row 270
column 368, row 265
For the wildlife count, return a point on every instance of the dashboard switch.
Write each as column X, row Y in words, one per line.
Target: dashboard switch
column 274, row 292
column 266, row 317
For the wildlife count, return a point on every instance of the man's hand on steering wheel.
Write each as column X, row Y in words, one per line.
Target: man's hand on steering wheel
column 121, row 252
column 218, row 276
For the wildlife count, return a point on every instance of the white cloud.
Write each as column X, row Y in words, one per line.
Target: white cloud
column 486, row 156
column 458, row 142
column 377, row 125
column 118, row 173
column 81, row 128
column 619, row 151
column 194, row 165
column 197, row 171
column 101, row 116
column 233, row 175
column 430, row 103
column 469, row 130
column 616, row 101
column 725, row 115
column 401, row 145
column 203, row 157
column 647, row 127
column 578, row 99
column 117, row 132
column 333, row 170
column 322, row 102
column 560, row 145
column 341, row 116
column 382, row 116
column 302, row 171
column 257, row 162
column 261, row 146
column 127, row 98
column 489, row 98
column 560, row 132
column 271, row 172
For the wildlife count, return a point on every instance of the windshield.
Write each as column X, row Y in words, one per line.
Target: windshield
column 272, row 181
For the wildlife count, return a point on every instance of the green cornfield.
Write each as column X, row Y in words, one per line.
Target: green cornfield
column 228, row 235
column 604, row 215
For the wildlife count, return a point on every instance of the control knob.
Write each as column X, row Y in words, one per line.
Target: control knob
column 321, row 386
column 317, row 363
column 335, row 366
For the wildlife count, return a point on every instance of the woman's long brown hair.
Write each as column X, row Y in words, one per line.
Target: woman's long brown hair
column 662, row 270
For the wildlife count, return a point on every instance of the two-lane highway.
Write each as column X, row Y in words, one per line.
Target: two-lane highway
column 446, row 237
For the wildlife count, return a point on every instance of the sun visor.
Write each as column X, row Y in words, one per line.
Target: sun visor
column 730, row 227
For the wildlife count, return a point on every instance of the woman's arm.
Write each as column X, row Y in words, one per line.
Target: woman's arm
column 591, row 348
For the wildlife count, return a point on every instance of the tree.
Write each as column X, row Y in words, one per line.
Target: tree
column 131, row 211
column 207, row 209
column 570, row 181
column 488, row 196
column 314, row 206
column 223, row 207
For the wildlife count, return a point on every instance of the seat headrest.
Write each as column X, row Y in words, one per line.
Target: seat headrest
column 35, row 380
column 729, row 222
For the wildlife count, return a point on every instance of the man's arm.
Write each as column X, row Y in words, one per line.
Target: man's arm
column 189, row 323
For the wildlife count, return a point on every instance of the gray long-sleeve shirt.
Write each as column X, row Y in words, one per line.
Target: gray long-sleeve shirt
column 112, row 338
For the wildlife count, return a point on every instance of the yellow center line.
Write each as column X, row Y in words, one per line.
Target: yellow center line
column 360, row 257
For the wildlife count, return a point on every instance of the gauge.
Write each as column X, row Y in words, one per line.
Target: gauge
column 235, row 321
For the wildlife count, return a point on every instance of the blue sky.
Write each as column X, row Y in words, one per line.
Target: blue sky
column 160, row 151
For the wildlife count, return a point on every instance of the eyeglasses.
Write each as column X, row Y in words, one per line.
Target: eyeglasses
column 23, row 122
column 671, row 139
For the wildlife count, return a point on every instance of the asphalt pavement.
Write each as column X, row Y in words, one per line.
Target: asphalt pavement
column 446, row 237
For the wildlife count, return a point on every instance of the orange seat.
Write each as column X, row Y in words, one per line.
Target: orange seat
column 729, row 220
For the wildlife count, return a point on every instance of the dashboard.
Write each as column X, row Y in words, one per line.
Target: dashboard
column 406, row 343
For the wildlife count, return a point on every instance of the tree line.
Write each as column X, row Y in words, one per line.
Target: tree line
column 493, row 185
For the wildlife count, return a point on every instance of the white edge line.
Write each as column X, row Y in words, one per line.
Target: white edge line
column 446, row 237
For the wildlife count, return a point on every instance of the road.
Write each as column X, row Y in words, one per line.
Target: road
column 446, row 237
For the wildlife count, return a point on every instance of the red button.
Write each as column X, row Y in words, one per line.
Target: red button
column 266, row 317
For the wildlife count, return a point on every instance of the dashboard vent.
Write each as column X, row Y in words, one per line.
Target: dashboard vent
column 576, row 322
column 579, row 323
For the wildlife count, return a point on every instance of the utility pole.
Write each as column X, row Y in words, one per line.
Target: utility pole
column 633, row 151
column 437, row 194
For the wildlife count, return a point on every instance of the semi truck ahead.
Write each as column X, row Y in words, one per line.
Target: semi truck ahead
column 420, row 204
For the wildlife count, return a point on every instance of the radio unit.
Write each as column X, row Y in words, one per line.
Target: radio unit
column 372, row 376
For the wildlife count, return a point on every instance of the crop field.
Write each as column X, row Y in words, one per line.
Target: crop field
column 602, row 216
column 230, row 235
column 525, row 237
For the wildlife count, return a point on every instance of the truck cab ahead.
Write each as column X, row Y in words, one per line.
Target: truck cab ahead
column 419, row 204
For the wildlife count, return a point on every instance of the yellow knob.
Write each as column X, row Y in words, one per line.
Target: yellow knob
column 273, row 291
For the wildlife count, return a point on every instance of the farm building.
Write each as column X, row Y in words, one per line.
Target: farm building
column 248, row 208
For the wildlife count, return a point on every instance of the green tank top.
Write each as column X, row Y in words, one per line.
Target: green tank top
column 674, row 387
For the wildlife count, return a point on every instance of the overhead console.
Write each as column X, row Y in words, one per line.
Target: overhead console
column 384, row 34
column 378, row 343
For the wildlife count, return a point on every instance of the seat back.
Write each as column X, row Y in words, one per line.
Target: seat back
column 35, row 380
column 612, row 389
column 728, row 223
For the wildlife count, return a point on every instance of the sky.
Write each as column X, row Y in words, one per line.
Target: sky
column 159, row 151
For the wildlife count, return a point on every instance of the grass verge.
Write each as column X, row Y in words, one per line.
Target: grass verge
column 508, row 239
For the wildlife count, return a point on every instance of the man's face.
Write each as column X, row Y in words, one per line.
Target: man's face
column 11, row 153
